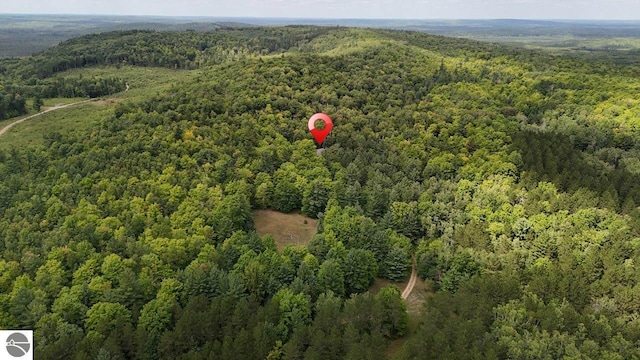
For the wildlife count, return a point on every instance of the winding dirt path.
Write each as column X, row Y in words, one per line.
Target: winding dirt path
column 412, row 281
column 57, row 107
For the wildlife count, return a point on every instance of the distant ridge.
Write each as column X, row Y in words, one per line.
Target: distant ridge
column 22, row 34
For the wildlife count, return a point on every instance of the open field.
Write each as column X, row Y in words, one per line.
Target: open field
column 287, row 229
column 30, row 132
column 47, row 103
column 143, row 82
column 46, row 110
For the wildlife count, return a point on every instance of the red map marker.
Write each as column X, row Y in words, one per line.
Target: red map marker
column 320, row 133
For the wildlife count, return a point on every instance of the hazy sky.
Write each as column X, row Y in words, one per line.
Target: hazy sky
column 400, row 9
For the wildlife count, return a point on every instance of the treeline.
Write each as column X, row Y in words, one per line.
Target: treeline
column 11, row 104
column 70, row 87
column 176, row 50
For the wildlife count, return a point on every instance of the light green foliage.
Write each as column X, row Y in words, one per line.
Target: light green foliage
column 9, row 271
column 112, row 267
column 461, row 267
column 239, row 243
column 347, row 227
column 86, row 272
column 70, row 304
column 360, row 272
column 314, row 199
column 155, row 318
column 404, row 219
column 392, row 311
column 397, row 263
column 293, row 309
column 287, row 193
column 51, row 277
column 287, row 197
column 331, row 277
column 107, row 318
column 231, row 214
column 265, row 191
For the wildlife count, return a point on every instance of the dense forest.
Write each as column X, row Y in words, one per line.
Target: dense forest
column 510, row 175
column 177, row 50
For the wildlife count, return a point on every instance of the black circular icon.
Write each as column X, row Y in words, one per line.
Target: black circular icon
column 18, row 345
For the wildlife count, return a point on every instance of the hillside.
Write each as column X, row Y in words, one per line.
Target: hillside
column 26, row 34
column 511, row 175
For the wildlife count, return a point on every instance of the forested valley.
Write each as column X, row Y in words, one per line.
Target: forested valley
column 511, row 176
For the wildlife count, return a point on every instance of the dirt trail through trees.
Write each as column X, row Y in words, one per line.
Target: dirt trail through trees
column 412, row 281
column 6, row 128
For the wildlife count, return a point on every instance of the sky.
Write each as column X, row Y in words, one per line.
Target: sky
column 366, row 9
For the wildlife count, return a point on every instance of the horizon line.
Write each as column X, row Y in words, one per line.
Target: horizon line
column 319, row 18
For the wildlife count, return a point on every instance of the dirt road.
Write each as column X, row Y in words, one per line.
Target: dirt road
column 412, row 281
column 6, row 128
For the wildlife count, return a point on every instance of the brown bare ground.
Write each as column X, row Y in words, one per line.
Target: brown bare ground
column 421, row 292
column 379, row 283
column 412, row 281
column 294, row 229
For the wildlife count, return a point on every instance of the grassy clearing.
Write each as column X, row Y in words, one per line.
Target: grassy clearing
column 30, row 132
column 59, row 101
column 6, row 122
column 47, row 103
column 287, row 229
column 143, row 83
column 345, row 43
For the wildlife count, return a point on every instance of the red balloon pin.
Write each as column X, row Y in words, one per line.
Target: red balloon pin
column 320, row 126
